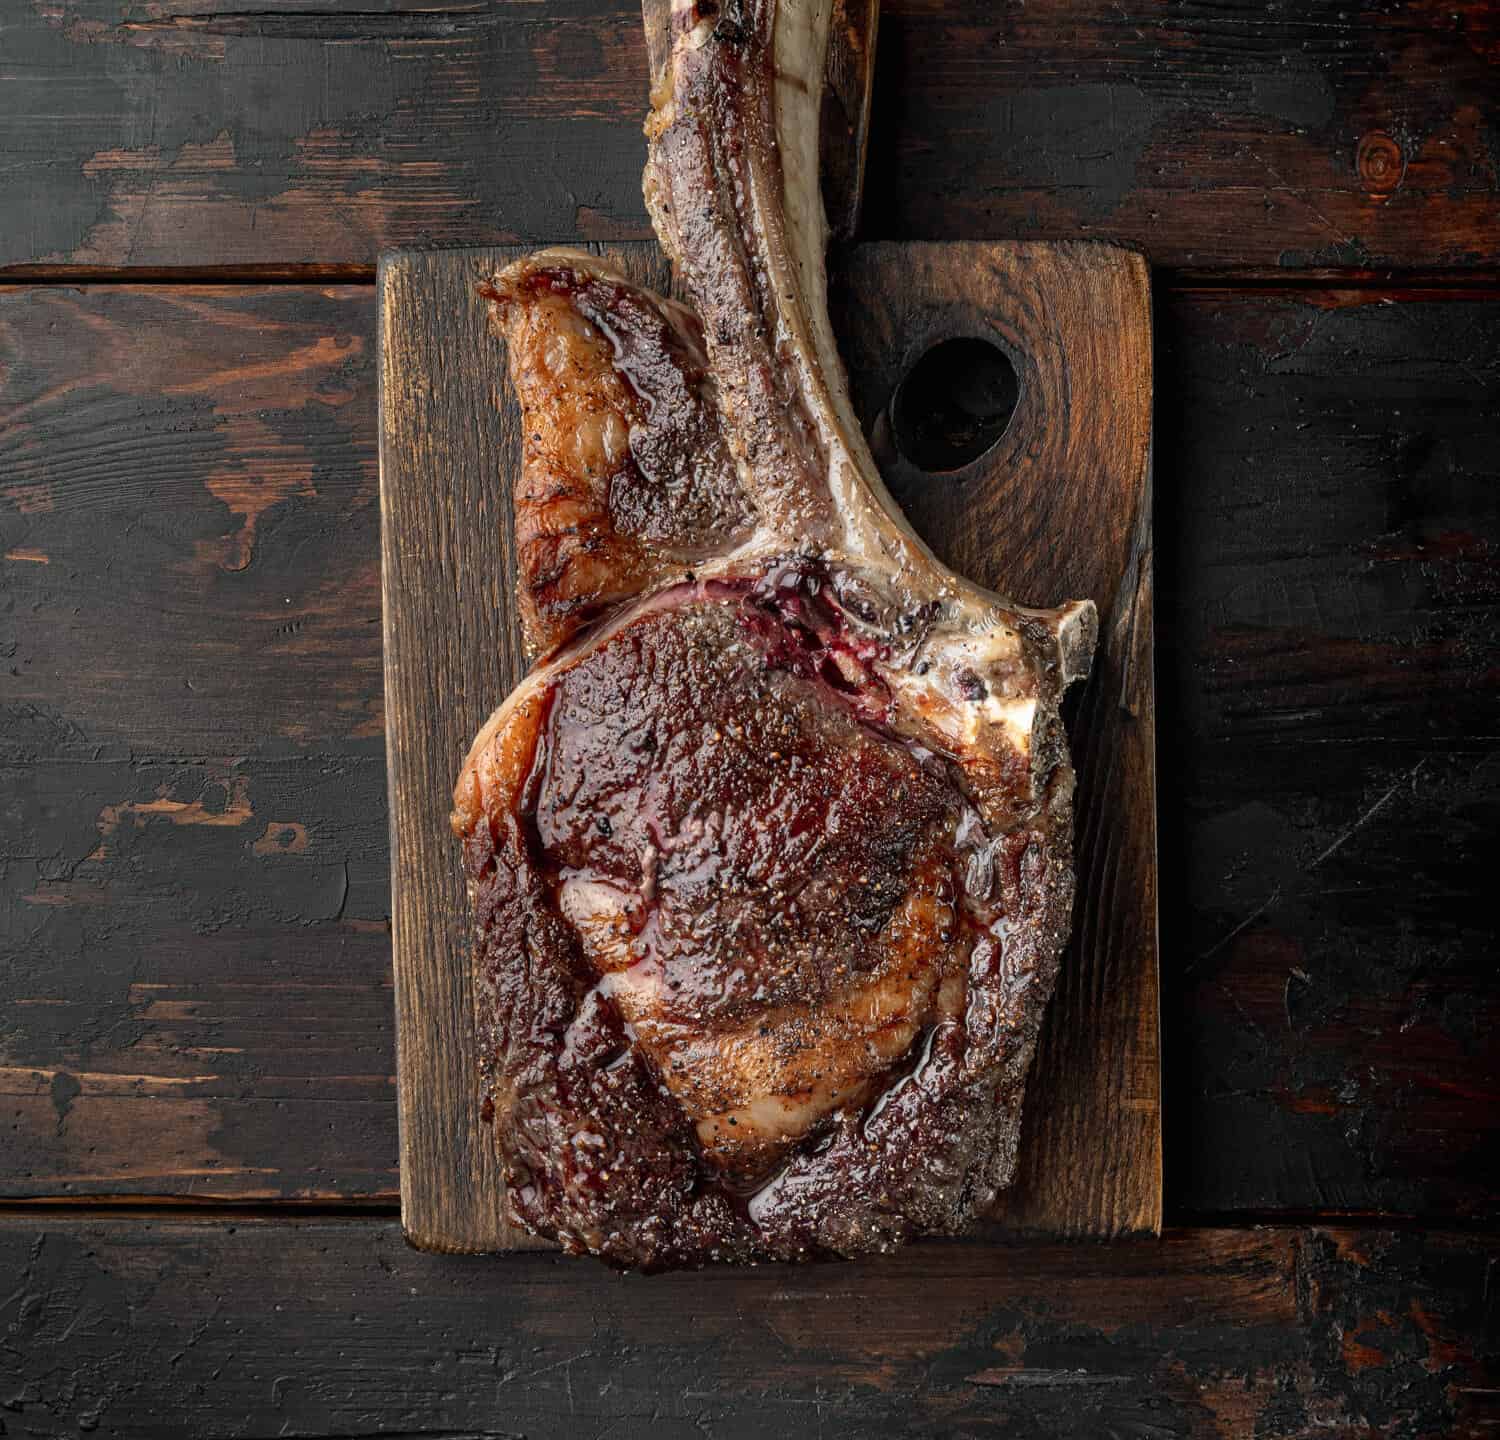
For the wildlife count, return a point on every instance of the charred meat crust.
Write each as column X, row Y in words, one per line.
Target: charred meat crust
column 766, row 847
column 770, row 857
column 624, row 473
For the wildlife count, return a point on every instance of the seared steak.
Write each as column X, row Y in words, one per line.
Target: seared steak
column 770, row 856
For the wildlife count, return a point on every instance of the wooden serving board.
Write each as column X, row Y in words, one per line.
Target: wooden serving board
column 1059, row 507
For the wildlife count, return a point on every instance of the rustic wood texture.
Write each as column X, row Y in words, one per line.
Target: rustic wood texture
column 173, row 1329
column 1330, row 553
column 198, row 1003
column 194, row 132
column 195, row 961
column 195, row 990
column 452, row 651
column 1059, row 507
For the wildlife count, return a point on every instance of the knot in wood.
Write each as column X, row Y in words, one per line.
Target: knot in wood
column 1380, row 162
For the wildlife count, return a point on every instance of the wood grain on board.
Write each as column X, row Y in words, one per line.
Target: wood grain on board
column 1213, row 133
column 195, row 961
column 172, row 1328
column 1059, row 507
column 452, row 653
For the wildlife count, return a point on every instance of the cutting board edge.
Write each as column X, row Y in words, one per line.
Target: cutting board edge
column 428, row 1230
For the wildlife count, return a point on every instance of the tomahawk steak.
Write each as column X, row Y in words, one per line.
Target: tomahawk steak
column 770, row 855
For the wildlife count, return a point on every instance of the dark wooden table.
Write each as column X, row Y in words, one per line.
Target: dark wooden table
column 197, row 1129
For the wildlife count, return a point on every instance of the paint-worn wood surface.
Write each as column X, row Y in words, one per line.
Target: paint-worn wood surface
column 1331, row 675
column 1060, row 506
column 194, row 958
column 171, row 1328
column 1214, row 133
column 195, row 993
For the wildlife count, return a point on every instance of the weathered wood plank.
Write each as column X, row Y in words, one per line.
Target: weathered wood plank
column 1057, row 507
column 164, row 132
column 1329, row 542
column 204, row 457
column 1212, row 134
column 1327, row 603
column 194, row 952
column 164, row 1328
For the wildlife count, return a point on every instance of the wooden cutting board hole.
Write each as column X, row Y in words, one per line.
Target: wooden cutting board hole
column 955, row 404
